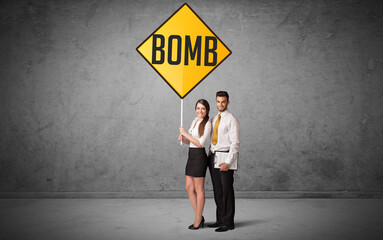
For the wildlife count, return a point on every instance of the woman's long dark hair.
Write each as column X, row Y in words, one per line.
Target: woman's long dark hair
column 201, row 128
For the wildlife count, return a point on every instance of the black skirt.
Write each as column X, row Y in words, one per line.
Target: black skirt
column 197, row 163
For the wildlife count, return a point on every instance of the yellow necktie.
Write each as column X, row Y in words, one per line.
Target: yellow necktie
column 214, row 139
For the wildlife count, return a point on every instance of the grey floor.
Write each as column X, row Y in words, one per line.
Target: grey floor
column 294, row 219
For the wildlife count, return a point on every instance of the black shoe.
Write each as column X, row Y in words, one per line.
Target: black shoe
column 214, row 225
column 201, row 225
column 224, row 228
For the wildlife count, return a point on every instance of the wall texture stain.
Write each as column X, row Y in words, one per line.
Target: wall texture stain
column 81, row 111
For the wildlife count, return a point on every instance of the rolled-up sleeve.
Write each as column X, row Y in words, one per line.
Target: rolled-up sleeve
column 234, row 135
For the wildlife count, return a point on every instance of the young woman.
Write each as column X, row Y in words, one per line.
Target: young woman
column 197, row 163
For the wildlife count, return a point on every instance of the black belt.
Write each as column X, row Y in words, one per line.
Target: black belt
column 221, row 151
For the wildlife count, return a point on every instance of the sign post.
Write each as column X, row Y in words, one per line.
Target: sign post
column 183, row 51
column 182, row 114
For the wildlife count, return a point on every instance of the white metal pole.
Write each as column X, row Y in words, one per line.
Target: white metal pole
column 182, row 114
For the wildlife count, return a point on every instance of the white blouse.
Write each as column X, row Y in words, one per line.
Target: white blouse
column 193, row 131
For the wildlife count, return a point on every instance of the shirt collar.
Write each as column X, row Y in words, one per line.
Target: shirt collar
column 223, row 114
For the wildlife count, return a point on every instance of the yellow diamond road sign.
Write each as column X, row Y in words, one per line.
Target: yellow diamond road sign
column 183, row 50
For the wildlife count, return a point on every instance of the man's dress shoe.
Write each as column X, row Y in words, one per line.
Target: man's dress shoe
column 224, row 228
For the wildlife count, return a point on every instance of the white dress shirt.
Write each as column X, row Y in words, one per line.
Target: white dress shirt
column 228, row 135
column 193, row 131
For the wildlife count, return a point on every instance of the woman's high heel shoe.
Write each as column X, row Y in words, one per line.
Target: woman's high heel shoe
column 201, row 225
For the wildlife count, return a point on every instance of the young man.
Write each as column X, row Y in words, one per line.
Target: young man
column 225, row 138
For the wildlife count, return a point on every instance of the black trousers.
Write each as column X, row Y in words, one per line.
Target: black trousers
column 223, row 193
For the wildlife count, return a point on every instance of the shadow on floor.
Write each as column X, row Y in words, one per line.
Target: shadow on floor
column 239, row 224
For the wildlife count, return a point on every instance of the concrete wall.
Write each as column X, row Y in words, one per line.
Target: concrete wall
column 82, row 111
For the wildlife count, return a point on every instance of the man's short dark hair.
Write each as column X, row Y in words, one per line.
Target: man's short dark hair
column 222, row 94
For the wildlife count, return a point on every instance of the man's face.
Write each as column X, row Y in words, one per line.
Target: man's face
column 222, row 103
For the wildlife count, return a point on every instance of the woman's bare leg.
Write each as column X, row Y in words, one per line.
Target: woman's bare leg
column 199, row 188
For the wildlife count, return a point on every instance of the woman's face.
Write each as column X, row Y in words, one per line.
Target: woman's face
column 200, row 110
